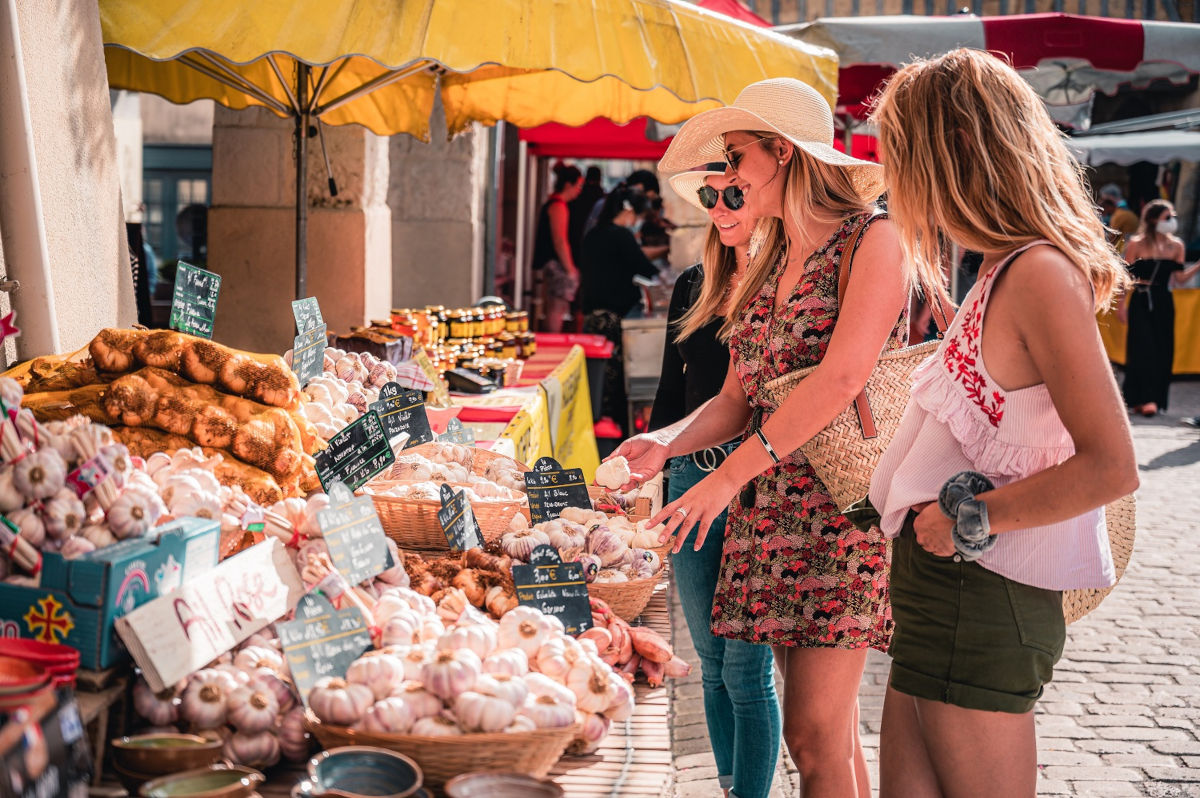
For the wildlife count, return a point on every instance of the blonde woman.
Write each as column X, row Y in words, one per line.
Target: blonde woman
column 738, row 677
column 1014, row 439
column 795, row 572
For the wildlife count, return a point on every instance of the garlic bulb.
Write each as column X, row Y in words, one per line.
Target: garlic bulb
column 259, row 750
column 605, row 544
column 413, row 661
column 252, row 658
column 650, row 557
column 30, row 523
column 335, row 701
column 294, row 742
column 483, row 713
column 519, row 545
column 272, row 682
column 524, row 628
column 200, row 504
column 506, row 662
column 402, row 628
column 621, row 706
column 251, row 710
column 593, row 690
column 63, row 515
column 40, row 474
column 564, row 539
column 388, row 716
column 614, row 473
column 540, row 684
column 479, row 638
column 134, row 512
column 451, row 673
column 437, row 726
column 75, row 547
column 421, row 702
column 10, row 498
column 548, row 712
column 206, row 698
column 380, row 672
column 646, row 538
column 521, row 723
column 98, row 535
column 591, row 566
column 158, row 710
column 609, row 575
column 512, row 689
column 176, row 487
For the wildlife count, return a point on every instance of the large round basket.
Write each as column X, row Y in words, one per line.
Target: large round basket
column 627, row 599
column 442, row 758
column 413, row 523
column 1121, row 519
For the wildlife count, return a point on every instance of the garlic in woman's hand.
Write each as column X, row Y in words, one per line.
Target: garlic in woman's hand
column 613, row 473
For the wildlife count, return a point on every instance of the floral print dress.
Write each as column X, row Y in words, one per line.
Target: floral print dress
column 794, row 570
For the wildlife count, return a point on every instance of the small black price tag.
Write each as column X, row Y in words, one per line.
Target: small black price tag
column 458, row 521
column 457, row 433
column 308, row 354
column 357, row 544
column 552, row 488
column 555, row 587
column 321, row 641
column 194, row 303
column 354, row 455
column 403, row 410
column 307, row 313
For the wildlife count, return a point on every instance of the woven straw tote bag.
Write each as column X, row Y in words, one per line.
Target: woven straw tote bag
column 844, row 454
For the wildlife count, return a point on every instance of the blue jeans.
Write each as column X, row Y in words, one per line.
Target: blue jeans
column 740, row 706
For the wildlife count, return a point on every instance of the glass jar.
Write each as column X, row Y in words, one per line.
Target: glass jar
column 508, row 345
column 460, row 324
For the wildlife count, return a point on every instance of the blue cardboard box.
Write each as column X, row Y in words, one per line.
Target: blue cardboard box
column 78, row 600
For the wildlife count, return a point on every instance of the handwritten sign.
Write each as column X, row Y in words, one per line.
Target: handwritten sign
column 179, row 633
column 403, row 411
column 552, row 488
column 354, row 455
column 355, row 538
column 458, row 521
column 321, row 641
column 194, row 304
column 457, row 433
column 555, row 587
column 308, row 314
column 308, row 353
column 441, row 393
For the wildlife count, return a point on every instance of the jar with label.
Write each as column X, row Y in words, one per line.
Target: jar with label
column 460, row 325
column 508, row 345
column 528, row 343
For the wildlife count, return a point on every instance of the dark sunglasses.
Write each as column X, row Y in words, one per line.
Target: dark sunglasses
column 735, row 198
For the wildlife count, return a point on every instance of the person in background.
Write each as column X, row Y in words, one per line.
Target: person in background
column 1115, row 213
column 994, row 486
column 590, row 193
column 738, row 677
column 609, row 260
column 1155, row 257
column 553, row 260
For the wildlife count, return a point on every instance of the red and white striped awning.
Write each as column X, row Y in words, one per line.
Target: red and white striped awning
column 1066, row 58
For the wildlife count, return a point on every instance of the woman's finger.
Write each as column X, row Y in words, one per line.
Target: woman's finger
column 702, row 531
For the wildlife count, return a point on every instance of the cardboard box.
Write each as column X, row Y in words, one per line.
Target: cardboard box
column 78, row 600
column 44, row 751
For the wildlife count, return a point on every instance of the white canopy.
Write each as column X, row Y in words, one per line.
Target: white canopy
column 1156, row 146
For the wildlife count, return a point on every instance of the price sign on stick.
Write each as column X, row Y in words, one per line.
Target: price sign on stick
column 321, row 641
column 457, row 433
column 555, row 587
column 357, row 544
column 354, row 455
column 458, row 521
column 308, row 354
column 552, row 488
column 307, row 313
column 194, row 304
column 403, row 411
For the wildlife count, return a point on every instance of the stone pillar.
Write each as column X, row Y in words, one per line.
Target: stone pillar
column 251, row 228
column 436, row 194
column 76, row 160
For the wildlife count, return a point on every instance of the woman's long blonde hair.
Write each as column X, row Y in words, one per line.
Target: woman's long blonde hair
column 815, row 192
column 970, row 151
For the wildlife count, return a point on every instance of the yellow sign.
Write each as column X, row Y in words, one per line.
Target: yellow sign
column 441, row 394
column 574, row 440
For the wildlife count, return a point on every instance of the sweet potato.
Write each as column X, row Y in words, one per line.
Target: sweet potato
column 650, row 644
column 654, row 672
column 676, row 667
column 629, row 670
column 598, row 635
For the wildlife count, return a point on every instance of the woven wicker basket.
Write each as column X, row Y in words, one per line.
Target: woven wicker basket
column 413, row 523
column 627, row 599
column 443, row 758
column 1121, row 518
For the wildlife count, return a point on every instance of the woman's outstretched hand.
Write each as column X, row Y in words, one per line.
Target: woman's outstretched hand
column 698, row 508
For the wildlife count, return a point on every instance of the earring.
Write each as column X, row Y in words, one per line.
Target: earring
column 781, row 162
column 757, row 239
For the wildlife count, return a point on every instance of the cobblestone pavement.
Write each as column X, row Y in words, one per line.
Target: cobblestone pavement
column 1122, row 717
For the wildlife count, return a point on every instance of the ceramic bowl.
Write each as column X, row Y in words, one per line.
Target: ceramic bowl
column 500, row 785
column 215, row 781
column 362, row 772
column 161, row 754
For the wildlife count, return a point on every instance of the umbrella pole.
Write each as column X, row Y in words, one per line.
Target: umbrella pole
column 302, row 122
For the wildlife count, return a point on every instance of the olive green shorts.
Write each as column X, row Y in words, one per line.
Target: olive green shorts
column 967, row 636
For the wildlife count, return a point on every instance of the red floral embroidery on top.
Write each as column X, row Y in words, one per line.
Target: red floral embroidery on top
column 961, row 361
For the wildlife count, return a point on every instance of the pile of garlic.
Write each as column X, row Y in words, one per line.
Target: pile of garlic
column 610, row 548
column 419, row 474
column 244, row 698
column 450, row 670
column 348, row 386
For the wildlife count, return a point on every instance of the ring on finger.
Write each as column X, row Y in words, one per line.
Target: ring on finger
column 681, row 511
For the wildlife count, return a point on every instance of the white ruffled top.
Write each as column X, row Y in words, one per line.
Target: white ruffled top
column 959, row 419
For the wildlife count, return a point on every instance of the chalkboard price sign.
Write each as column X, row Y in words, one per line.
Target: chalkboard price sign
column 307, row 313
column 552, row 488
column 555, row 587
column 403, row 411
column 354, row 455
column 357, row 545
column 321, row 641
column 457, row 433
column 458, row 521
column 308, row 354
column 194, row 304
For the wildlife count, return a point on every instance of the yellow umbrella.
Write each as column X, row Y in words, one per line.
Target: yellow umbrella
column 380, row 63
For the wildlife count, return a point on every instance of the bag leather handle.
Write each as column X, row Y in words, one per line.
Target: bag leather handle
column 862, row 404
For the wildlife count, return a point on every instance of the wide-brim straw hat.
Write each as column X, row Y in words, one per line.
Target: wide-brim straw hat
column 787, row 107
column 688, row 184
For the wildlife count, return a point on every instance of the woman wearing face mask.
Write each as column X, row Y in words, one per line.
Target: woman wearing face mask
column 1155, row 257
column 740, row 705
column 795, row 572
